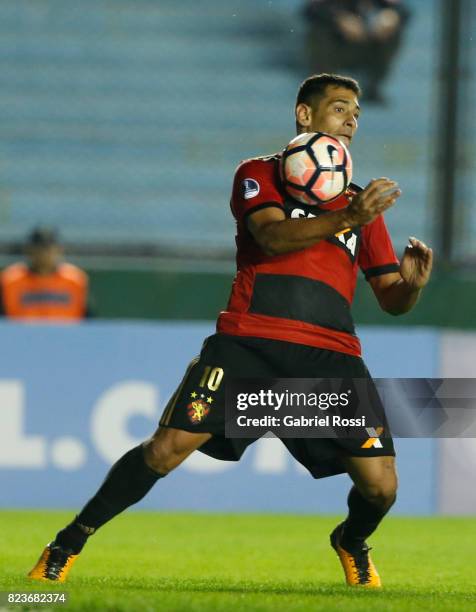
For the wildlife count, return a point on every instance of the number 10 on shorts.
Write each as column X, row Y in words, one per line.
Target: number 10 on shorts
column 211, row 378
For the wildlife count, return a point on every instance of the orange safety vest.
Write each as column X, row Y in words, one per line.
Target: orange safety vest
column 61, row 295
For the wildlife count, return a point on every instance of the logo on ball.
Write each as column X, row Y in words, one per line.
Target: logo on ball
column 316, row 168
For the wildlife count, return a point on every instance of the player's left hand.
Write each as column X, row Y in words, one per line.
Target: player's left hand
column 416, row 264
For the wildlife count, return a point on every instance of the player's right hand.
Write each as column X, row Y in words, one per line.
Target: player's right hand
column 379, row 195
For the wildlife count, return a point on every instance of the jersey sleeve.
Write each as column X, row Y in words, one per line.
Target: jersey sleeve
column 255, row 187
column 377, row 255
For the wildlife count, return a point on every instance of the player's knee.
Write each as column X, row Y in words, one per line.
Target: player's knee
column 162, row 455
column 381, row 493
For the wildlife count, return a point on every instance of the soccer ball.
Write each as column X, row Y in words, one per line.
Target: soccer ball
column 316, row 168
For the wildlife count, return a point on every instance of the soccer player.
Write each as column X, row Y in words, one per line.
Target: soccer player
column 288, row 316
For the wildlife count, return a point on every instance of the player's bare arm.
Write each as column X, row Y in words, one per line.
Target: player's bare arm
column 398, row 292
column 277, row 235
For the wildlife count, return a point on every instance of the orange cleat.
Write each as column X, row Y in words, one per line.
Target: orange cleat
column 54, row 564
column 358, row 566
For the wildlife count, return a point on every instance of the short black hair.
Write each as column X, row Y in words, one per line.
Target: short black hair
column 42, row 235
column 315, row 86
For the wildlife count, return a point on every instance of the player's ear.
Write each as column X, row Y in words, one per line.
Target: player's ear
column 303, row 115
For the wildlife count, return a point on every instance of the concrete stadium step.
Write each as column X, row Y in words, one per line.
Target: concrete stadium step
column 23, row 134
column 135, row 110
column 225, row 25
column 141, row 17
column 163, row 51
column 128, row 216
column 118, row 172
column 54, row 78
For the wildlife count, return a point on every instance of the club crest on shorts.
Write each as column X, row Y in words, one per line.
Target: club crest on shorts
column 198, row 408
column 250, row 188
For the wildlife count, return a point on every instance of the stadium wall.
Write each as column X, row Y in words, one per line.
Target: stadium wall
column 177, row 294
column 74, row 398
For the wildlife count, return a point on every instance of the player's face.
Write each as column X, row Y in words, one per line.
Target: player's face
column 335, row 113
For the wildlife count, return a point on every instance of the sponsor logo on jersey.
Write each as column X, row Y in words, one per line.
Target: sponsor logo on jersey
column 373, row 441
column 250, row 188
column 348, row 239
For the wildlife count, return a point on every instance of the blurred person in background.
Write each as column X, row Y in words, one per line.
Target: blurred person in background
column 361, row 37
column 44, row 287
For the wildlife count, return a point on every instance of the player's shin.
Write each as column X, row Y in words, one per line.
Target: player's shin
column 127, row 482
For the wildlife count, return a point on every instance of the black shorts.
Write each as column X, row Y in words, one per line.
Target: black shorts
column 198, row 405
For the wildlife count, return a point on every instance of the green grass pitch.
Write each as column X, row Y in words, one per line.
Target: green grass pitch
column 244, row 562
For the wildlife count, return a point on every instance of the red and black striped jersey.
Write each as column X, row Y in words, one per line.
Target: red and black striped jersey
column 304, row 296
